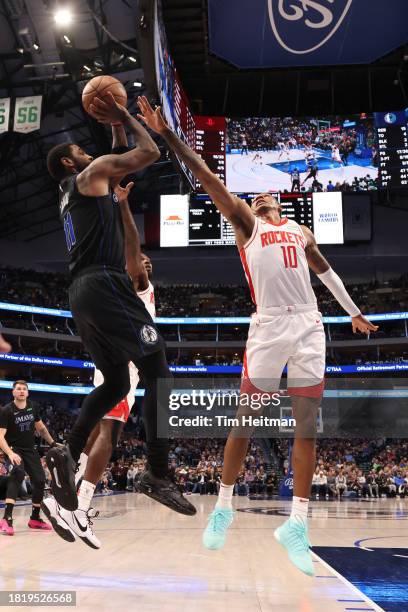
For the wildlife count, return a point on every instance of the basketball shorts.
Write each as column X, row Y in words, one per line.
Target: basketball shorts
column 112, row 320
column 121, row 411
column 292, row 336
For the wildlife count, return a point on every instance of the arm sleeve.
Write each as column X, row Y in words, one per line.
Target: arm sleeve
column 336, row 286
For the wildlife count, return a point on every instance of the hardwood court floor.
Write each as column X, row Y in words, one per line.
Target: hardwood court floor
column 152, row 559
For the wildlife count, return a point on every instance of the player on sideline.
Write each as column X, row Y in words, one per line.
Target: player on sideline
column 112, row 321
column 287, row 328
column 18, row 421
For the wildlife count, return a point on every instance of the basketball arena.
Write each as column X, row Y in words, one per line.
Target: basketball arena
column 204, row 305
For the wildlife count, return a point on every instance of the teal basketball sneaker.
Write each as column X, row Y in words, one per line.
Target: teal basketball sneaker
column 216, row 531
column 293, row 536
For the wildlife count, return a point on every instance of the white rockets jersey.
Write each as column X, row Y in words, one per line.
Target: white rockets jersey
column 275, row 265
column 147, row 298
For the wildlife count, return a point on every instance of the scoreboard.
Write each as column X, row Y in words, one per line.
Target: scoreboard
column 392, row 138
column 195, row 220
column 207, row 227
column 210, row 137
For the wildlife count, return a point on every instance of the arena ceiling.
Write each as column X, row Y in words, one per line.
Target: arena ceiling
column 65, row 59
column 219, row 88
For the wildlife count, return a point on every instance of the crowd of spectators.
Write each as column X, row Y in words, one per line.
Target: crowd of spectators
column 357, row 468
column 265, row 133
column 50, row 290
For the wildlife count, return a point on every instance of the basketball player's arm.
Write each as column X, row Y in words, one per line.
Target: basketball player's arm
column 119, row 137
column 5, row 347
column 93, row 181
column 14, row 458
column 133, row 253
column 234, row 209
column 42, row 430
column 335, row 285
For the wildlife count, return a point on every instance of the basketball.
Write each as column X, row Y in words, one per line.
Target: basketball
column 100, row 86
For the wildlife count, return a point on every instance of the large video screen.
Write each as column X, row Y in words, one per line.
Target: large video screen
column 196, row 221
column 311, row 154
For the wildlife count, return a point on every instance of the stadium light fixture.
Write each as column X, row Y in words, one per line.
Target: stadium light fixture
column 63, row 16
column 36, row 46
column 137, row 84
column 67, row 39
column 87, row 68
column 132, row 59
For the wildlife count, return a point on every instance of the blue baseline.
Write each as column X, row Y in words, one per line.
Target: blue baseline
column 391, row 316
column 194, row 369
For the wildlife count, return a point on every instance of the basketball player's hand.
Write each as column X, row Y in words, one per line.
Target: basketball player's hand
column 14, row 458
column 5, row 347
column 361, row 324
column 152, row 118
column 108, row 110
column 122, row 193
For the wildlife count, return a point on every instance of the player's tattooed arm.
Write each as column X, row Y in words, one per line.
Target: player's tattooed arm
column 42, row 430
column 119, row 137
column 110, row 169
column 333, row 282
column 315, row 259
column 5, row 347
column 14, row 458
column 233, row 208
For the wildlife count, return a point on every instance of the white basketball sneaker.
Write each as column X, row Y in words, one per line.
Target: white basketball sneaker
column 80, row 523
column 51, row 510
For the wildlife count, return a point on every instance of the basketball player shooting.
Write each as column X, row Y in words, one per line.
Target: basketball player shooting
column 105, row 436
column 112, row 321
column 287, row 328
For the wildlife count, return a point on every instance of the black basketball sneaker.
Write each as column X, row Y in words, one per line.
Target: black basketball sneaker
column 166, row 492
column 62, row 470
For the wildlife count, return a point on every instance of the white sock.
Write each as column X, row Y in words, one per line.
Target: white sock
column 300, row 506
column 83, row 460
column 225, row 496
column 85, row 495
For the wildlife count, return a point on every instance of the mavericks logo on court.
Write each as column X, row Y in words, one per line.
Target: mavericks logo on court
column 148, row 334
column 303, row 26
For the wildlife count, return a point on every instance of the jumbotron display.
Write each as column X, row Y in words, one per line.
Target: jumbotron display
column 196, row 221
column 392, row 133
column 310, row 154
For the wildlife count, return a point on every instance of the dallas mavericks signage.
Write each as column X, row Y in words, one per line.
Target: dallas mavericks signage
column 268, row 33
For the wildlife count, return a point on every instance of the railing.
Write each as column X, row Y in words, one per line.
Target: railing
column 199, row 369
column 391, row 316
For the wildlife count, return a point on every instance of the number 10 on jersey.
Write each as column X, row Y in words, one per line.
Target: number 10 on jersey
column 290, row 256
